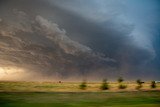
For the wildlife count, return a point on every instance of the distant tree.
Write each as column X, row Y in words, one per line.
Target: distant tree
column 121, row 85
column 104, row 85
column 83, row 85
column 153, row 84
column 139, row 82
column 120, row 80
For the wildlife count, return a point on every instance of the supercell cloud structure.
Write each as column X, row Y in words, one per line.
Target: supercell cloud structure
column 79, row 39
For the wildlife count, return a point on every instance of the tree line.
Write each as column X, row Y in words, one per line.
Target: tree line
column 121, row 85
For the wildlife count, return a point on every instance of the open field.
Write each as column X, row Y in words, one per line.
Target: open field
column 80, row 99
column 67, row 87
column 68, row 94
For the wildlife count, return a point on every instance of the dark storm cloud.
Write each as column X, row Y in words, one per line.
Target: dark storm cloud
column 38, row 45
column 124, row 30
column 105, row 36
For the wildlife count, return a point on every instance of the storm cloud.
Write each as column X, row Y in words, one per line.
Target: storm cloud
column 66, row 39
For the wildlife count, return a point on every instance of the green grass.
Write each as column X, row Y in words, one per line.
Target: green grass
column 80, row 99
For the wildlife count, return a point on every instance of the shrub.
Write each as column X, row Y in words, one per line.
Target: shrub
column 138, row 87
column 83, row 85
column 122, row 86
column 153, row 84
column 104, row 85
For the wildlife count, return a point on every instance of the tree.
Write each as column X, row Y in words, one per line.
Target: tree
column 121, row 85
column 120, row 80
column 139, row 82
column 104, row 85
column 83, row 85
column 153, row 84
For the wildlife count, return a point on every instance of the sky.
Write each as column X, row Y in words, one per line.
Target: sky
column 79, row 39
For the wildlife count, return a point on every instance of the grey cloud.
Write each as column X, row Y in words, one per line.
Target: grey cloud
column 112, row 16
column 40, row 46
column 59, row 37
column 105, row 35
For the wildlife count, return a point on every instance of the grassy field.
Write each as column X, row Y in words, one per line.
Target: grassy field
column 68, row 94
column 80, row 99
column 67, row 87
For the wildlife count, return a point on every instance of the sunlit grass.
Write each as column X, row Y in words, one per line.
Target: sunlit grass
column 68, row 87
